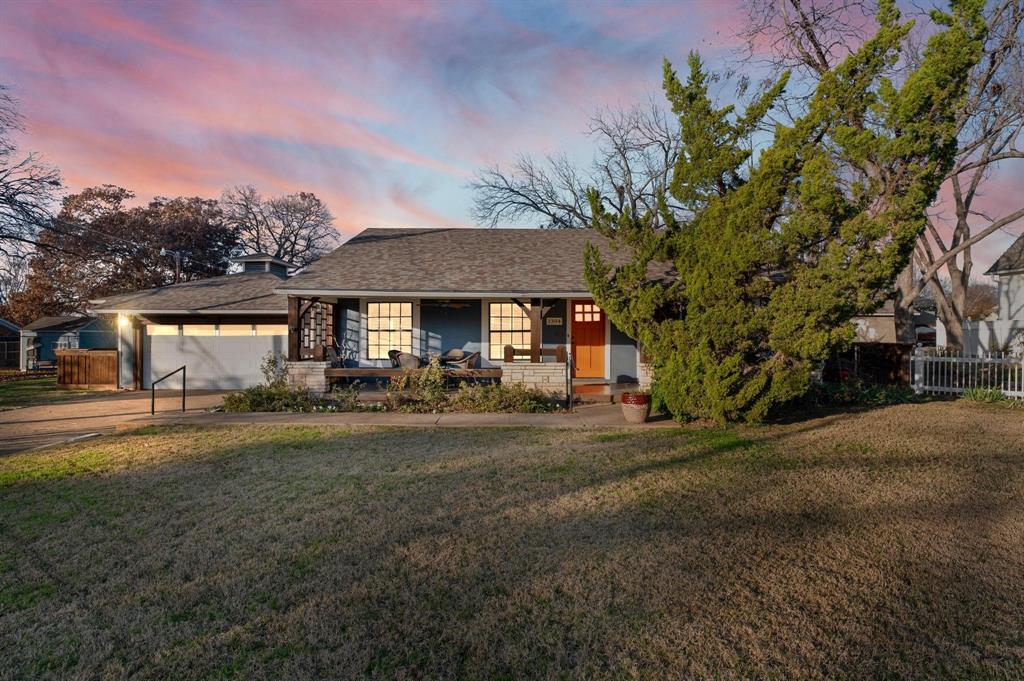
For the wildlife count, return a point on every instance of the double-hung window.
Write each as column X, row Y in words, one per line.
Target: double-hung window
column 507, row 324
column 388, row 327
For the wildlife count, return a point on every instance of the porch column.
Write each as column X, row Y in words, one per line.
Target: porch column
column 138, row 338
column 536, row 330
column 294, row 328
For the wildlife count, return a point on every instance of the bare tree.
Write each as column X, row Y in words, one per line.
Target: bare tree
column 631, row 168
column 812, row 38
column 296, row 228
column 28, row 188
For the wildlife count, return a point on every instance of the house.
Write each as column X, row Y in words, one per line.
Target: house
column 421, row 291
column 220, row 328
column 1004, row 333
column 10, row 344
column 41, row 338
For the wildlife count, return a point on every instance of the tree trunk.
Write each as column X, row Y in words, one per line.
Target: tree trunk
column 903, row 306
column 949, row 310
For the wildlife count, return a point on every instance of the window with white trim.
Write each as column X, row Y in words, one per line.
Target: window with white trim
column 507, row 324
column 388, row 327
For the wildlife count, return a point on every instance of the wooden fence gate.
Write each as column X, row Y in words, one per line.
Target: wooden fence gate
column 94, row 369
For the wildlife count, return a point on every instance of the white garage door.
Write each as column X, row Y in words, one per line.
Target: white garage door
column 218, row 362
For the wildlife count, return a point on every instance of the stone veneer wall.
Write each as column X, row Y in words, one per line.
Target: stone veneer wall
column 308, row 375
column 645, row 376
column 546, row 376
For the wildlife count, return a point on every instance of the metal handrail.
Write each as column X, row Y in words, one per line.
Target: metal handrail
column 570, row 364
column 152, row 389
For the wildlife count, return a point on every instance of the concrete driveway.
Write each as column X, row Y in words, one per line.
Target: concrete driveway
column 38, row 426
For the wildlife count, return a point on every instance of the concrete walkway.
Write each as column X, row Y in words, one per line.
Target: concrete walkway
column 44, row 425
column 589, row 416
column 47, row 424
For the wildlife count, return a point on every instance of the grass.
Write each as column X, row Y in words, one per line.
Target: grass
column 882, row 544
column 32, row 391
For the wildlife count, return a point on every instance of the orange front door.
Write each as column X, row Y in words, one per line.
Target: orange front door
column 588, row 339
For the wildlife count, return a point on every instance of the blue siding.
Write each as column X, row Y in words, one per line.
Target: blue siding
column 623, row 357
column 347, row 331
column 448, row 325
column 97, row 334
column 553, row 336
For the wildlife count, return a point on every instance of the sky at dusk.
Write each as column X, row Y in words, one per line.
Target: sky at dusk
column 385, row 110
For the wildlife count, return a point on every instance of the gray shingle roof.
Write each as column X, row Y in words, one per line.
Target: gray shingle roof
column 230, row 293
column 8, row 327
column 1011, row 260
column 66, row 323
column 455, row 260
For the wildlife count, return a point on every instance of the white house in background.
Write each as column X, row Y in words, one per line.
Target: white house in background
column 1006, row 331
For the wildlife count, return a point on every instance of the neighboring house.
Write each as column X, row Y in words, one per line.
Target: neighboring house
column 42, row 338
column 1004, row 332
column 878, row 354
column 422, row 291
column 880, row 327
column 10, row 344
column 219, row 328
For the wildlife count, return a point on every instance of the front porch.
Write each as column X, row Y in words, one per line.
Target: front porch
column 545, row 343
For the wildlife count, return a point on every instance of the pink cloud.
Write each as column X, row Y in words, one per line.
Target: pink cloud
column 423, row 215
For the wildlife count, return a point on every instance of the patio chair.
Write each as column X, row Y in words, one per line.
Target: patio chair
column 453, row 355
column 465, row 362
column 406, row 360
column 334, row 358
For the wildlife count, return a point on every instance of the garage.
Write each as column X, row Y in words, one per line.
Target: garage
column 219, row 328
column 217, row 356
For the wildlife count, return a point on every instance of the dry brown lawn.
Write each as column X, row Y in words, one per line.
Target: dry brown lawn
column 883, row 544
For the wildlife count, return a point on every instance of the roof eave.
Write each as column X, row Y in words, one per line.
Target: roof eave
column 123, row 310
column 992, row 271
column 377, row 293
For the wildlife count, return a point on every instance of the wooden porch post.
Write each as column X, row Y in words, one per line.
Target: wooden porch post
column 536, row 319
column 294, row 328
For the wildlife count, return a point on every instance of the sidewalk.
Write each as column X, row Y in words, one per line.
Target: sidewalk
column 591, row 416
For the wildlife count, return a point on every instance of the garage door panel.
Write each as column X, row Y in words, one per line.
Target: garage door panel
column 213, row 362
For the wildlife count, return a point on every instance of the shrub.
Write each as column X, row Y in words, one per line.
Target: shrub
column 421, row 390
column 504, row 398
column 275, row 372
column 986, row 395
column 274, row 394
column 275, row 397
column 856, row 393
column 345, row 398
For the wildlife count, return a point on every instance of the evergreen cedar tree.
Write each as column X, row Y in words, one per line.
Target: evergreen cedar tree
column 769, row 269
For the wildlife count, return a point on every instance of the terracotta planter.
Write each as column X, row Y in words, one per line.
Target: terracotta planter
column 636, row 407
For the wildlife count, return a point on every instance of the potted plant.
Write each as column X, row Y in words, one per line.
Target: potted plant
column 636, row 406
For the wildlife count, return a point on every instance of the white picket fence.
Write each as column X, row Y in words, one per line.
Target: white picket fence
column 948, row 372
